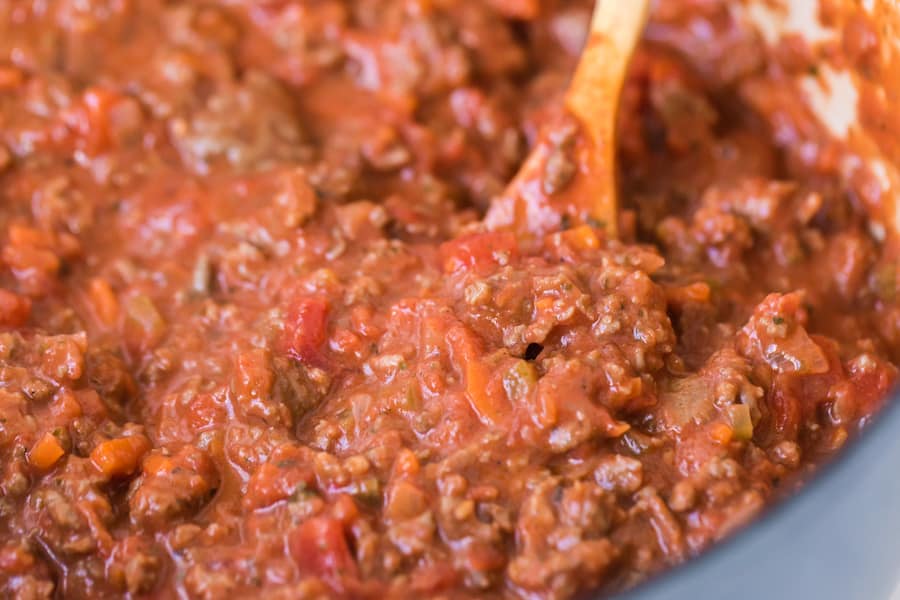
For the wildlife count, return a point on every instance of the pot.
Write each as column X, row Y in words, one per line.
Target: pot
column 839, row 536
column 836, row 539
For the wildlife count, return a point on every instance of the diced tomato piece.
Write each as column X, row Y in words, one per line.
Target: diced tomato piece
column 871, row 378
column 319, row 547
column 786, row 410
column 253, row 378
column 92, row 405
column 306, row 329
column 14, row 309
column 479, row 252
column 204, row 412
column 93, row 118
column 286, row 473
column 272, row 483
column 65, row 408
column 15, row 559
column 796, row 398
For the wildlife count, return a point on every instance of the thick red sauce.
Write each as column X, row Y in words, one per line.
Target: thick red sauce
column 258, row 341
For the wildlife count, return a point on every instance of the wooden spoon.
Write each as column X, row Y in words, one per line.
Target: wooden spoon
column 530, row 206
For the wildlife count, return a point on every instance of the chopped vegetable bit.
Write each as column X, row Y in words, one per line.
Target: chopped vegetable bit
column 46, row 451
column 741, row 423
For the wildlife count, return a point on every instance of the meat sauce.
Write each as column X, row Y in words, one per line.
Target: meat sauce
column 270, row 327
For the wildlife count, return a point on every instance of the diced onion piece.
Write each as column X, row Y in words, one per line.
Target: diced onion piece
column 144, row 326
column 520, row 381
column 741, row 422
column 798, row 353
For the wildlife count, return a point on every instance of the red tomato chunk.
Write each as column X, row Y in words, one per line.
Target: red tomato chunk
column 286, row 310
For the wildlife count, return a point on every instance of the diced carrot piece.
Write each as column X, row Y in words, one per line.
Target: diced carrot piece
column 23, row 235
column 721, row 433
column 157, row 464
column 404, row 501
column 10, row 78
column 582, row 238
column 694, row 293
column 544, row 304
column 26, row 257
column 46, row 452
column 106, row 305
column 468, row 358
column 35, row 268
column 344, row 509
column 120, row 457
column 406, row 464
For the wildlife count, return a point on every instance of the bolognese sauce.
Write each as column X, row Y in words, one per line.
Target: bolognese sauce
column 258, row 338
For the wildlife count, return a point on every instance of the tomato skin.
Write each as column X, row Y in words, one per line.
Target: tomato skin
column 479, row 252
column 319, row 547
column 306, row 329
column 786, row 412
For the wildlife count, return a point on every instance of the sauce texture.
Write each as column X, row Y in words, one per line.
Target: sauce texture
column 272, row 326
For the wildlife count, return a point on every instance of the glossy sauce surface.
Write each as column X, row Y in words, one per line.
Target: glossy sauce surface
column 272, row 327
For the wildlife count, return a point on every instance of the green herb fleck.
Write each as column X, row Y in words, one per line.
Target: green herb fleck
column 595, row 223
column 303, row 492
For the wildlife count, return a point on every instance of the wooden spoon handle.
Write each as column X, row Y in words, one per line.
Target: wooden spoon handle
column 593, row 96
column 588, row 192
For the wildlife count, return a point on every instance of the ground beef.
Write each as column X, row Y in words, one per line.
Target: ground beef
column 271, row 323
